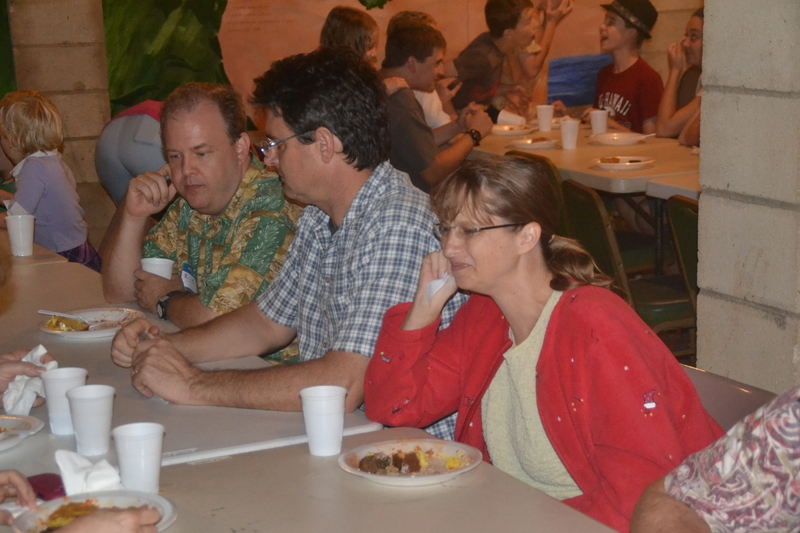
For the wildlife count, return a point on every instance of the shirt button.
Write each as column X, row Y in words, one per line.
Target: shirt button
column 327, row 280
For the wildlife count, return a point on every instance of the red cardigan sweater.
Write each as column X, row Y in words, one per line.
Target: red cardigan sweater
column 618, row 409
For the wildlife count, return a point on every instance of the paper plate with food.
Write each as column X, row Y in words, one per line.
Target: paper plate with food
column 619, row 138
column 534, row 143
column 622, row 162
column 410, row 462
column 98, row 323
column 14, row 429
column 517, row 129
column 55, row 514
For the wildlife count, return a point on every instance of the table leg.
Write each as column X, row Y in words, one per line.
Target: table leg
column 660, row 219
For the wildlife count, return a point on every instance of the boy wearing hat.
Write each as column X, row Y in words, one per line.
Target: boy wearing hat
column 629, row 88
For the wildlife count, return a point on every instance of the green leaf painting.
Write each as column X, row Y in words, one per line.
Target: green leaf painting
column 8, row 81
column 369, row 4
column 154, row 46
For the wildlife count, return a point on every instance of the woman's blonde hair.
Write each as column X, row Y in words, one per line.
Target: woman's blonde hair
column 517, row 191
column 31, row 122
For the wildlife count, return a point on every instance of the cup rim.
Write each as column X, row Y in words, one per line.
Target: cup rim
column 78, row 393
column 70, row 375
column 125, row 430
column 322, row 392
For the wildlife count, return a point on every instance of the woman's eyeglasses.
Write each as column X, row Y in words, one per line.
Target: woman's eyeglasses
column 442, row 231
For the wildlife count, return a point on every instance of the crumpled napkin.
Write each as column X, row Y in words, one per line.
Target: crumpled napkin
column 435, row 286
column 506, row 118
column 21, row 393
column 79, row 474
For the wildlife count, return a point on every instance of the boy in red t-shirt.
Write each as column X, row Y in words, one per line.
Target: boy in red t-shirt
column 629, row 88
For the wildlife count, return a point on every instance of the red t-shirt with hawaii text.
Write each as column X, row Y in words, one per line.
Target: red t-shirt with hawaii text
column 631, row 96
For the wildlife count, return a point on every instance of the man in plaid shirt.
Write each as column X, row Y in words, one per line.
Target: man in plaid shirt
column 357, row 250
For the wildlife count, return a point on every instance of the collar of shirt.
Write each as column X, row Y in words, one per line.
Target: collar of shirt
column 18, row 168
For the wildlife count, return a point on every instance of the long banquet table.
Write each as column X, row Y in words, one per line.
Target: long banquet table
column 231, row 476
column 192, row 433
column 670, row 159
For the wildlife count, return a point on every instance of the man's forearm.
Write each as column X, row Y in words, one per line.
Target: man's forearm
column 278, row 388
column 185, row 311
column 245, row 331
column 443, row 134
column 447, row 160
column 658, row 512
column 121, row 251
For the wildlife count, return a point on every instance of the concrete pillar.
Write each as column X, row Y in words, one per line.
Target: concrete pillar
column 59, row 50
column 749, row 301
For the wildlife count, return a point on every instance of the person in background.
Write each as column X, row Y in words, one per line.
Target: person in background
column 555, row 378
column 229, row 230
column 677, row 117
column 357, row 252
column 346, row 26
column 437, row 105
column 480, row 65
column 31, row 133
column 128, row 146
column 527, row 67
column 415, row 53
column 14, row 485
column 746, row 481
column 628, row 88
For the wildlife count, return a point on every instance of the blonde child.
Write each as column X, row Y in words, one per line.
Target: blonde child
column 31, row 132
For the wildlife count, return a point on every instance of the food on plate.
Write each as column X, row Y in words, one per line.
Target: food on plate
column 609, row 160
column 410, row 463
column 68, row 513
column 539, row 140
column 60, row 323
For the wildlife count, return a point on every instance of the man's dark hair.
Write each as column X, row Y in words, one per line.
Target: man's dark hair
column 330, row 88
column 502, row 15
column 402, row 18
column 412, row 40
column 224, row 97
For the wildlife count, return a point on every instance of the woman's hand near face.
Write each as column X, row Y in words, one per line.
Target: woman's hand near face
column 424, row 311
column 676, row 56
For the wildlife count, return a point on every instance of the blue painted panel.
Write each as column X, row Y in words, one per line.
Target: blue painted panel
column 573, row 79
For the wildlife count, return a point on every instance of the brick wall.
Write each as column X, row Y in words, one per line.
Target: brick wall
column 749, row 303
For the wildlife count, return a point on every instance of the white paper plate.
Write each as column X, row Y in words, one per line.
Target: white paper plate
column 526, row 144
column 18, row 423
column 107, row 321
column 626, row 162
column 441, row 448
column 618, row 139
column 34, row 521
column 521, row 129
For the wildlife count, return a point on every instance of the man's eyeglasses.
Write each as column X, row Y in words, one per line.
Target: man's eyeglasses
column 442, row 231
column 265, row 149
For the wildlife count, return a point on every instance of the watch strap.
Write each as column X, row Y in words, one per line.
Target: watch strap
column 476, row 136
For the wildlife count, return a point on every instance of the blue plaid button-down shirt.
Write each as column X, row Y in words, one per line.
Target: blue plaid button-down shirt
column 335, row 286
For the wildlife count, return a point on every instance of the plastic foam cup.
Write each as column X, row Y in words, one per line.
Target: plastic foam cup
column 599, row 119
column 323, row 412
column 20, row 233
column 544, row 114
column 91, row 407
column 158, row 266
column 56, row 384
column 139, row 455
column 569, row 134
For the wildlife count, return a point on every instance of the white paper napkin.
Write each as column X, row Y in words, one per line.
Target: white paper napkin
column 21, row 393
column 79, row 474
column 435, row 286
column 506, row 118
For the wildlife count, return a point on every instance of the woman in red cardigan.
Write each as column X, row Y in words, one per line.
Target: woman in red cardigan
column 554, row 377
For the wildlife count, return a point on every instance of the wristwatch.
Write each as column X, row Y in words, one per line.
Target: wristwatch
column 476, row 136
column 161, row 306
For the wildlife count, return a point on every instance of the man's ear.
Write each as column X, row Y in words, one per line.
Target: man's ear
column 242, row 146
column 411, row 64
column 328, row 144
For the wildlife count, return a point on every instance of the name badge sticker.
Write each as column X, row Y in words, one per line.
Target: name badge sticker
column 188, row 279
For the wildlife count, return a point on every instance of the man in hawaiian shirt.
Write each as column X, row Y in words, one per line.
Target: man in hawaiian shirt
column 229, row 230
